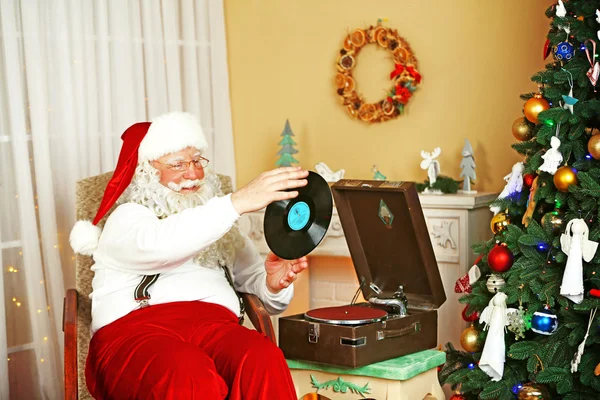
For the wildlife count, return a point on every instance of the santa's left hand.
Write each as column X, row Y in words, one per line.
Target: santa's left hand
column 281, row 273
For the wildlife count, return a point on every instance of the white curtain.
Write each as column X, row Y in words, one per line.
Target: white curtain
column 74, row 74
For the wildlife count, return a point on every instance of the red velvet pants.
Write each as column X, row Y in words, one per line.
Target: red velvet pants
column 185, row 350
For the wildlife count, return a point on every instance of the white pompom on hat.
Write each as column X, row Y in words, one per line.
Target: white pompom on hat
column 84, row 237
column 143, row 141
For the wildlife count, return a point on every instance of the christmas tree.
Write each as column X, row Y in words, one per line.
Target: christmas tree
column 535, row 333
column 286, row 158
column 467, row 166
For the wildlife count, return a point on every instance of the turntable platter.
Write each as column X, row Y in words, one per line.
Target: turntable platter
column 346, row 315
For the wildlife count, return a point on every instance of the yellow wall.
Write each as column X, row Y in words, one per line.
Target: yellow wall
column 476, row 57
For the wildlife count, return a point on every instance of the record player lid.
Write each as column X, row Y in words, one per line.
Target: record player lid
column 388, row 240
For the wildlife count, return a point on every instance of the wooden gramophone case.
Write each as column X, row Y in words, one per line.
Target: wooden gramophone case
column 390, row 247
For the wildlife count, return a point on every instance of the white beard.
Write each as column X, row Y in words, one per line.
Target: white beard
column 146, row 189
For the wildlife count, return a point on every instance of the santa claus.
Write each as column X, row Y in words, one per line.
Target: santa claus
column 167, row 265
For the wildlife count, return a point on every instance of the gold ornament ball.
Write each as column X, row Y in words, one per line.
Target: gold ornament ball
column 565, row 177
column 469, row 340
column 499, row 222
column 521, row 130
column 534, row 106
column 594, row 146
column 534, row 391
column 555, row 220
column 591, row 130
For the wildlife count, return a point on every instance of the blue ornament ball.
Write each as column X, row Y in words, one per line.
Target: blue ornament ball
column 544, row 322
column 564, row 51
column 516, row 388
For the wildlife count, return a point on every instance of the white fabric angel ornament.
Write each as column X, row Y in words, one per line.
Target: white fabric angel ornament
column 552, row 157
column 514, row 184
column 495, row 317
column 598, row 21
column 575, row 244
column 561, row 10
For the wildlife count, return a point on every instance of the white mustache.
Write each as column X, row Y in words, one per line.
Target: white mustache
column 184, row 184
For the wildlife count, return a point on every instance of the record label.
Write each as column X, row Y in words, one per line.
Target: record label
column 298, row 216
column 293, row 228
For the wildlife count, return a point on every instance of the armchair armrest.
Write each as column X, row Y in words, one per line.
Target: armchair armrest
column 259, row 316
column 70, row 330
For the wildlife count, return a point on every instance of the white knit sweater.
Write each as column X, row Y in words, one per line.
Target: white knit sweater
column 135, row 243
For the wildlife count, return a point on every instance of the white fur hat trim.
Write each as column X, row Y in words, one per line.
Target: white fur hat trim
column 170, row 133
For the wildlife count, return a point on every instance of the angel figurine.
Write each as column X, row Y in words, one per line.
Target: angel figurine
column 514, row 184
column 561, row 10
column 495, row 317
column 327, row 174
column 552, row 157
column 431, row 164
column 575, row 244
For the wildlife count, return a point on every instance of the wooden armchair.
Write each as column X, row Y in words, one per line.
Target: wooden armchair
column 77, row 314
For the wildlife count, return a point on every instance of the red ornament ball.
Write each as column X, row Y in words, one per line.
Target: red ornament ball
column 472, row 317
column 528, row 179
column 500, row 259
column 457, row 396
column 547, row 48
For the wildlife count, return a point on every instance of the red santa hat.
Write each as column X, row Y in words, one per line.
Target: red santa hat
column 143, row 141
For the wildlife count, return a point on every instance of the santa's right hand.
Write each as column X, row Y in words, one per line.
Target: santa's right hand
column 268, row 187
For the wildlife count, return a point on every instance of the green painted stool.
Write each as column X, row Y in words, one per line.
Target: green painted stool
column 412, row 377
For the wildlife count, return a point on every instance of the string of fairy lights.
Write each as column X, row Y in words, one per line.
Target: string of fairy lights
column 18, row 303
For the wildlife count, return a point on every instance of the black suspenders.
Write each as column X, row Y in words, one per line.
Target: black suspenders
column 230, row 280
column 140, row 293
column 142, row 296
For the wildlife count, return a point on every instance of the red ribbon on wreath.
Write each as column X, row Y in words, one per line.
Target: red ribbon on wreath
column 413, row 72
column 398, row 69
column 402, row 94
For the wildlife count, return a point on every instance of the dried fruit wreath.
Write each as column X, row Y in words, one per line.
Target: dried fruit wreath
column 405, row 76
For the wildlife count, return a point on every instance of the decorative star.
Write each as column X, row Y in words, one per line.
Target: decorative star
column 569, row 101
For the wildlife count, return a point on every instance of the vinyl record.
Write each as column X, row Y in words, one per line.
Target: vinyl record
column 293, row 228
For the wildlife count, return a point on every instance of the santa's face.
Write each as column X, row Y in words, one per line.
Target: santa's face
column 182, row 171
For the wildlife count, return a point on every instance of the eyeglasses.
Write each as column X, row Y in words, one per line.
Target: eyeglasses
column 181, row 166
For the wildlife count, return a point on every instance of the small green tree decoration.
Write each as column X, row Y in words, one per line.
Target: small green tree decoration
column 377, row 175
column 286, row 159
